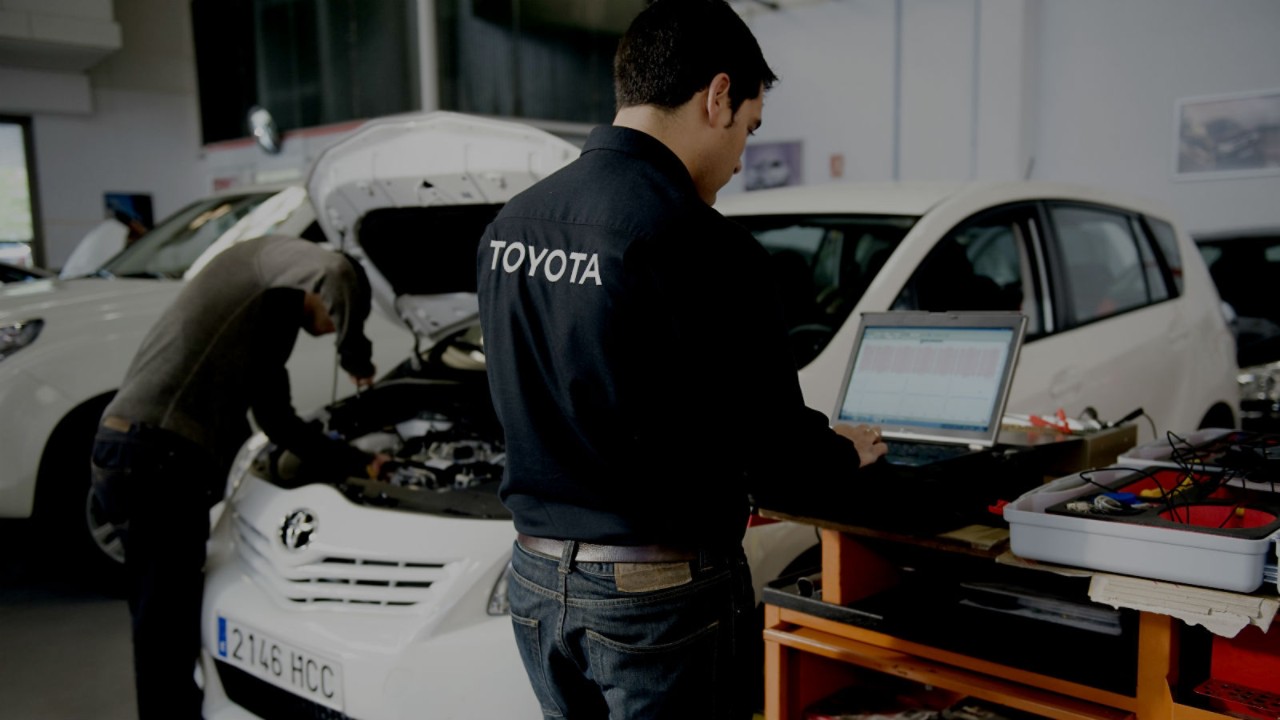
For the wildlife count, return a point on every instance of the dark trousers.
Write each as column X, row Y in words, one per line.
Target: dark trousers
column 160, row 484
column 671, row 649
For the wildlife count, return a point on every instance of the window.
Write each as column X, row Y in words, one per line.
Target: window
column 982, row 264
column 309, row 62
column 1151, row 266
column 822, row 265
column 1104, row 271
column 17, row 218
column 544, row 59
column 1167, row 241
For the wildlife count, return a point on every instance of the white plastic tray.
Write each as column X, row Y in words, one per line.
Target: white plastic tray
column 1158, row 452
column 1162, row 553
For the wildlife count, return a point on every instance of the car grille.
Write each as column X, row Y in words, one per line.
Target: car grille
column 266, row 700
column 340, row 579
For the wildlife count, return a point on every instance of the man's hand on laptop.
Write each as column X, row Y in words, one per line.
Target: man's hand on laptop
column 866, row 439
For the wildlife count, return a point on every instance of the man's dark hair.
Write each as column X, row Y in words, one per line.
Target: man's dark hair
column 675, row 47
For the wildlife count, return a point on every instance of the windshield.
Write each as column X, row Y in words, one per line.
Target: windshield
column 170, row 248
column 823, row 264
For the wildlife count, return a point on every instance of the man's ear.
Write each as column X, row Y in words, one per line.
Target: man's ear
column 719, row 112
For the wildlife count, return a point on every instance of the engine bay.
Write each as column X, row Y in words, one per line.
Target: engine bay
column 447, row 456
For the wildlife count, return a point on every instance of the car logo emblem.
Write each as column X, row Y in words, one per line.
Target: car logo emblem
column 298, row 528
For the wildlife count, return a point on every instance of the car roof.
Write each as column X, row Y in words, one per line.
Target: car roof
column 848, row 197
column 1221, row 236
column 917, row 198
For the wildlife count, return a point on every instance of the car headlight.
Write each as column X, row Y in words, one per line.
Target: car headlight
column 1261, row 382
column 248, row 452
column 18, row 335
column 498, row 604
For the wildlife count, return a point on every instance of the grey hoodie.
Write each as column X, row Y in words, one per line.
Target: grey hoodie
column 220, row 349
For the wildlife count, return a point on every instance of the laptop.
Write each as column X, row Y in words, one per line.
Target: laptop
column 936, row 384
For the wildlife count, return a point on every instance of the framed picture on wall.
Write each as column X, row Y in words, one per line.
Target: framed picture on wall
column 773, row 164
column 1228, row 135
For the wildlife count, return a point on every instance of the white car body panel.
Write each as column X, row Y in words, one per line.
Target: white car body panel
column 438, row 653
column 92, row 329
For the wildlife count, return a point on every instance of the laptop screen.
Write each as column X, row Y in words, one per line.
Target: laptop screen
column 932, row 376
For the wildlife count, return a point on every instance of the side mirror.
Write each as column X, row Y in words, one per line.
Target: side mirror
column 264, row 129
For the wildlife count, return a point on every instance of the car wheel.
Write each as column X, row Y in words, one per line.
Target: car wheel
column 76, row 535
column 107, row 536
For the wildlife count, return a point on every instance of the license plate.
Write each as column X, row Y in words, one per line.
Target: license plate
column 299, row 671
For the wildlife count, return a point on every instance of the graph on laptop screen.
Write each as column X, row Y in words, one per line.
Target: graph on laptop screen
column 935, row 379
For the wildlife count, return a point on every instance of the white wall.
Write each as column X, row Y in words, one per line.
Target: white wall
column 141, row 133
column 918, row 89
column 835, row 92
column 1111, row 73
column 1079, row 91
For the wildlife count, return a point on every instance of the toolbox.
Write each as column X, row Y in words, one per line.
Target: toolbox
column 1154, row 521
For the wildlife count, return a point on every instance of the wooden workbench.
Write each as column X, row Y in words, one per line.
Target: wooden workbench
column 808, row 656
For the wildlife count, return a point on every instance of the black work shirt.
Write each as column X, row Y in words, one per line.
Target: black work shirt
column 637, row 357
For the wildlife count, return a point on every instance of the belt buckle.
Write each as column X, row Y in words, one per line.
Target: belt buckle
column 119, row 424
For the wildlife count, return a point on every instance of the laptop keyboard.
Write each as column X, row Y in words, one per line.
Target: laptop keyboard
column 917, row 453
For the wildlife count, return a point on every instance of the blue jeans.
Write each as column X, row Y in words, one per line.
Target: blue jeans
column 163, row 486
column 675, row 651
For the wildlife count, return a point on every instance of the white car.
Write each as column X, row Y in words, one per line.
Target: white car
column 65, row 346
column 1121, row 311
column 349, row 597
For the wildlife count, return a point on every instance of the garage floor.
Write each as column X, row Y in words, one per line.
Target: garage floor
column 64, row 649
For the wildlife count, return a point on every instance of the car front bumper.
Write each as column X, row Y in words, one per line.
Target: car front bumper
column 394, row 601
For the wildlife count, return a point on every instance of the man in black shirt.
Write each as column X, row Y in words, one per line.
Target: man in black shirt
column 167, row 439
column 639, row 364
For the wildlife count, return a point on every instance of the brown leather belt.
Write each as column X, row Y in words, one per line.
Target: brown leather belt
column 117, row 423
column 590, row 552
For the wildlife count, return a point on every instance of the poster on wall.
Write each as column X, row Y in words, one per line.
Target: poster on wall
column 775, row 164
column 1229, row 135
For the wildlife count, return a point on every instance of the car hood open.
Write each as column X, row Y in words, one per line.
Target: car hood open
column 409, row 195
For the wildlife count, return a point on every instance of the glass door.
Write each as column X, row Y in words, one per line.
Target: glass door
column 17, row 211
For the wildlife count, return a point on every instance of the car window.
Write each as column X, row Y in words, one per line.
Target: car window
column 290, row 205
column 982, row 264
column 173, row 245
column 1245, row 272
column 1156, row 284
column 1210, row 253
column 823, row 265
column 1167, row 240
column 1100, row 260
